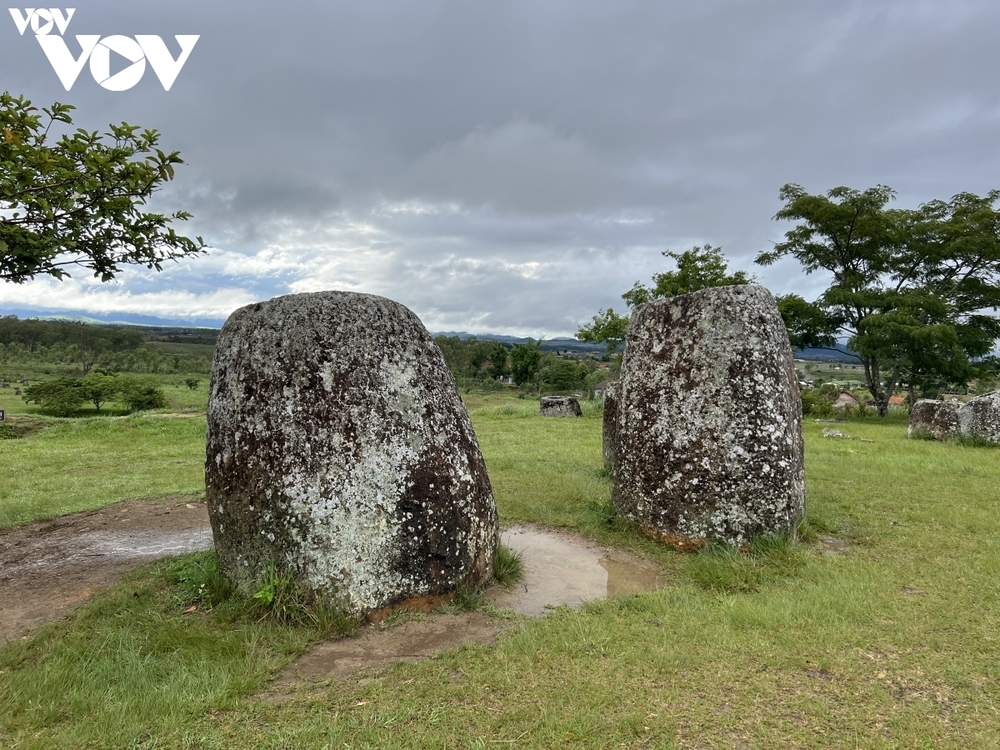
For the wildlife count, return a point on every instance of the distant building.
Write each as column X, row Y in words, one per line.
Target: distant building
column 845, row 399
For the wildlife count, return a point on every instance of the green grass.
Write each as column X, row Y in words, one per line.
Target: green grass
column 81, row 464
column 894, row 643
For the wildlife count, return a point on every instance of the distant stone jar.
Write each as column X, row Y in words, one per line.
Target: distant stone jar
column 559, row 406
column 977, row 420
column 709, row 419
column 339, row 453
column 934, row 419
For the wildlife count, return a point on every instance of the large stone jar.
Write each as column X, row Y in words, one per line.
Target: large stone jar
column 339, row 453
column 709, row 419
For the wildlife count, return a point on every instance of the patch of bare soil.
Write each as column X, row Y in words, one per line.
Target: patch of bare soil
column 49, row 567
column 381, row 645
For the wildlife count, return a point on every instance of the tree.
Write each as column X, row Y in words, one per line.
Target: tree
column 524, row 361
column 701, row 267
column 561, row 374
column 78, row 201
column 498, row 361
column 61, row 397
column 99, row 388
column 607, row 327
column 141, row 395
column 908, row 287
column 698, row 268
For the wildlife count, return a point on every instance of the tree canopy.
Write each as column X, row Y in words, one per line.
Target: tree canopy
column 909, row 289
column 701, row 267
column 78, row 200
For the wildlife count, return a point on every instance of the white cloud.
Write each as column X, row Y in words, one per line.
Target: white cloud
column 75, row 294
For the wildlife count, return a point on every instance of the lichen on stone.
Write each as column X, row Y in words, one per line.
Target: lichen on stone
column 339, row 452
column 708, row 421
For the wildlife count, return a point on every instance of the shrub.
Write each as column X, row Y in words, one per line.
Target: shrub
column 140, row 395
column 814, row 404
column 62, row 397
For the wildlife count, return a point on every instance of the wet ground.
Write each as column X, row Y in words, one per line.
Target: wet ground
column 48, row 568
column 561, row 569
column 566, row 569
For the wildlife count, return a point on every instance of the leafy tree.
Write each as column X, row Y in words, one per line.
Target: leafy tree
column 61, row 397
column 701, row 267
column 607, row 327
column 524, row 360
column 908, row 287
column 99, row 388
column 141, row 395
column 498, row 361
column 78, row 200
column 562, row 375
column 697, row 268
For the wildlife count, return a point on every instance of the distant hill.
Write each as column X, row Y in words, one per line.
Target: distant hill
column 841, row 354
column 206, row 328
column 112, row 319
column 559, row 344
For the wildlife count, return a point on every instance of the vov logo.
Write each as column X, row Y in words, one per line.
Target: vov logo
column 138, row 51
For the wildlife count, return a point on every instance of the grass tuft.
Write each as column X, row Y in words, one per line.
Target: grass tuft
column 509, row 568
column 726, row 568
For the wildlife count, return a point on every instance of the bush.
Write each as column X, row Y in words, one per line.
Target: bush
column 814, row 404
column 10, row 431
column 62, row 397
column 141, row 395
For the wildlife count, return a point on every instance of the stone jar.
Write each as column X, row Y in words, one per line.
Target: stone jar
column 339, row 453
column 709, row 419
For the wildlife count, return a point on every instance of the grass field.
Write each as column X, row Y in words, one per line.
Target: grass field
column 893, row 643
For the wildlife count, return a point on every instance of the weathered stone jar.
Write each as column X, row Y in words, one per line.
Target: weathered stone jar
column 339, row 452
column 708, row 438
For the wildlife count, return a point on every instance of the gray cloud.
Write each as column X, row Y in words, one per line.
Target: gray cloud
column 515, row 166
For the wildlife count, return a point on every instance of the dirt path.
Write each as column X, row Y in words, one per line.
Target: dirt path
column 49, row 567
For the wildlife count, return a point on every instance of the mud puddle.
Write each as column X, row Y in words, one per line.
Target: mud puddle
column 561, row 569
column 49, row 567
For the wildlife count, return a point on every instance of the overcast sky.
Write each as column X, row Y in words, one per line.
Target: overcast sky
column 511, row 167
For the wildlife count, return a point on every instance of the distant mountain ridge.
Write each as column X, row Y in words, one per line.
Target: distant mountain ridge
column 556, row 344
column 112, row 319
column 132, row 319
